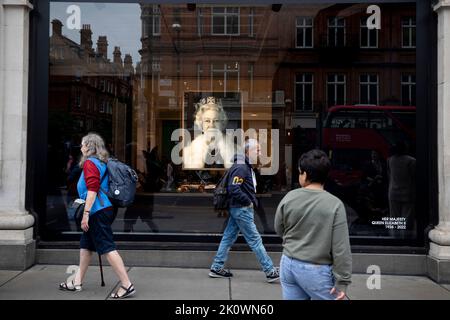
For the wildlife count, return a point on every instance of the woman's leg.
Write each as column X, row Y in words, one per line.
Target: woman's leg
column 116, row 262
column 85, row 260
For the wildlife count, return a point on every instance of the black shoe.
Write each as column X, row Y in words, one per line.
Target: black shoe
column 273, row 275
column 221, row 273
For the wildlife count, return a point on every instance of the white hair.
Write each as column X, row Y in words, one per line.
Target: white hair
column 206, row 104
column 96, row 148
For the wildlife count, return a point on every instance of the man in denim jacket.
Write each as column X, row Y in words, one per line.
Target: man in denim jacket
column 242, row 193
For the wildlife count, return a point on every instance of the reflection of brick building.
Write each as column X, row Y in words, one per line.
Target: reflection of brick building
column 183, row 52
column 332, row 58
column 289, row 66
column 87, row 91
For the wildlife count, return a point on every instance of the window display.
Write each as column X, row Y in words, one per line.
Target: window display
column 175, row 93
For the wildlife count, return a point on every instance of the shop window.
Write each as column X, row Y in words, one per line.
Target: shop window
column 318, row 97
column 304, row 32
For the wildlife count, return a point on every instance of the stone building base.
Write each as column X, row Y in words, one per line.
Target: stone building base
column 17, row 256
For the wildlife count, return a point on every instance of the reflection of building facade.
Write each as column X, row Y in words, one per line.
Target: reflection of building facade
column 183, row 51
column 87, row 89
column 311, row 58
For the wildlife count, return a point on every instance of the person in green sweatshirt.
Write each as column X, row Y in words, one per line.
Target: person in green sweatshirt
column 316, row 263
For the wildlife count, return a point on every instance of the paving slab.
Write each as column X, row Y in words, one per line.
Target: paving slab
column 41, row 282
column 177, row 284
column 397, row 288
column 6, row 275
column 252, row 285
column 446, row 286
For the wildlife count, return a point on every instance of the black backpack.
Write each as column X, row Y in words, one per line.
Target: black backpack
column 221, row 200
column 122, row 183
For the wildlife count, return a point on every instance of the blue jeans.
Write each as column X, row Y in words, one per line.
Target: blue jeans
column 242, row 219
column 305, row 281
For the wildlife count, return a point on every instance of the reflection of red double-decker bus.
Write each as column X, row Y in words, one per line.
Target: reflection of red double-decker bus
column 351, row 133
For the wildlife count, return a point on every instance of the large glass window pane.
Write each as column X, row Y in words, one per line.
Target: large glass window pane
column 132, row 74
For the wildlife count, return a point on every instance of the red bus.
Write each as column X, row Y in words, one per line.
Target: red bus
column 351, row 134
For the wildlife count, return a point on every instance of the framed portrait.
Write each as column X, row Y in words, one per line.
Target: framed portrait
column 206, row 117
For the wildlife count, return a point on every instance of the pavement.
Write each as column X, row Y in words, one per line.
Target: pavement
column 40, row 282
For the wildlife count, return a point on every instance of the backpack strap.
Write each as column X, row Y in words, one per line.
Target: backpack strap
column 101, row 181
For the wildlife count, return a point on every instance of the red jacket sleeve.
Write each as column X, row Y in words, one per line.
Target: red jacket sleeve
column 91, row 176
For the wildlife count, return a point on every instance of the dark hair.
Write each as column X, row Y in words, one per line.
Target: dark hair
column 316, row 165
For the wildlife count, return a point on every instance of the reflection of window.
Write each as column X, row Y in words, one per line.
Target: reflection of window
column 251, row 18
column 304, row 92
column 408, row 90
column 101, row 109
column 369, row 37
column 251, row 67
column 368, row 89
column 225, row 77
column 156, row 25
column 304, row 30
column 156, row 64
column 336, row 32
column 336, row 92
column 199, row 22
column 225, row 21
column 199, row 75
column 78, row 99
column 409, row 32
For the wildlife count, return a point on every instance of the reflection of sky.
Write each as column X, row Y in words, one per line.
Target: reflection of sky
column 120, row 22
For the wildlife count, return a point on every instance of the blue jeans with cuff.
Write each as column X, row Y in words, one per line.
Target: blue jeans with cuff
column 242, row 219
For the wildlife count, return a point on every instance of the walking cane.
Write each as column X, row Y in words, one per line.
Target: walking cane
column 101, row 269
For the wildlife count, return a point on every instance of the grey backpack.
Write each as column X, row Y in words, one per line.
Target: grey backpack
column 122, row 183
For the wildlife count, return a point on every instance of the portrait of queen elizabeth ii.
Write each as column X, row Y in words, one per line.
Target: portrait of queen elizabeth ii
column 209, row 147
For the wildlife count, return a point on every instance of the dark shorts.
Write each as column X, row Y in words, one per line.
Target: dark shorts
column 99, row 236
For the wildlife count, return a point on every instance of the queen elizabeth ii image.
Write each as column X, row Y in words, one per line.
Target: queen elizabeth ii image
column 210, row 148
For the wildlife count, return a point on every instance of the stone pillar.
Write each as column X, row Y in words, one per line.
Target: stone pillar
column 17, row 247
column 439, row 254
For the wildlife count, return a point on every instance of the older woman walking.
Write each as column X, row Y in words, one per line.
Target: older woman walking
column 316, row 263
column 97, row 217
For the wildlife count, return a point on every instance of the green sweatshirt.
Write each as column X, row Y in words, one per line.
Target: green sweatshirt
column 313, row 225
